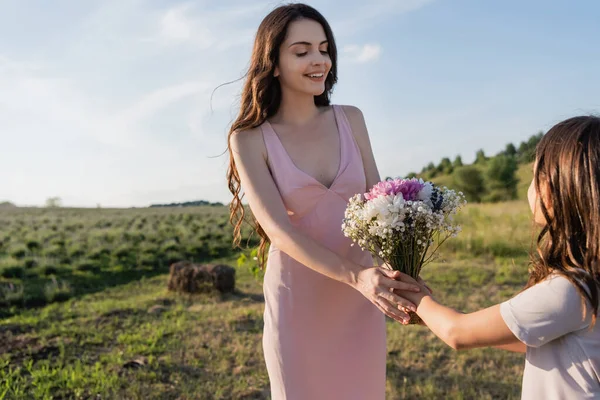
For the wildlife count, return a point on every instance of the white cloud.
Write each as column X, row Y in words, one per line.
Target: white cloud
column 220, row 28
column 175, row 25
column 8, row 65
column 362, row 54
column 153, row 102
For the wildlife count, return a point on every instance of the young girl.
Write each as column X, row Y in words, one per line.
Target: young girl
column 554, row 319
column 300, row 160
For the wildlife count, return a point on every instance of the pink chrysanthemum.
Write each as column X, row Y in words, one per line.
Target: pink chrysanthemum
column 409, row 188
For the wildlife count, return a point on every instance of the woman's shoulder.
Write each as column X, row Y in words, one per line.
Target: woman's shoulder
column 350, row 110
column 356, row 120
column 248, row 134
column 247, row 139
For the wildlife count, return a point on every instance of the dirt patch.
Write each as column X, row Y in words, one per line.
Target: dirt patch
column 16, row 344
column 248, row 324
column 14, row 337
column 38, row 353
column 23, row 348
column 13, row 329
column 255, row 394
column 115, row 317
column 165, row 302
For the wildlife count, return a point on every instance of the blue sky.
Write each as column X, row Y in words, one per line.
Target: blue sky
column 108, row 101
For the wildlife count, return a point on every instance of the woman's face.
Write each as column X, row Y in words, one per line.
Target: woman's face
column 304, row 60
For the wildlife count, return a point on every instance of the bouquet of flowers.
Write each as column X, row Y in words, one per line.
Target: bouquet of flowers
column 403, row 222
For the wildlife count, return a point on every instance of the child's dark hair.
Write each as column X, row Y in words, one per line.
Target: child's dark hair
column 567, row 180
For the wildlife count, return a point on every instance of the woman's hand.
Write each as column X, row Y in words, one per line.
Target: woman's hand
column 378, row 284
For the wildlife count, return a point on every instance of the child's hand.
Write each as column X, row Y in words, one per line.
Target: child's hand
column 412, row 296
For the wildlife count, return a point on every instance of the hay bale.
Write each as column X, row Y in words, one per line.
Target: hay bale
column 195, row 278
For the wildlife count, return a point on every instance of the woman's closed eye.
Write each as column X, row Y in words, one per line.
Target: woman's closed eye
column 324, row 52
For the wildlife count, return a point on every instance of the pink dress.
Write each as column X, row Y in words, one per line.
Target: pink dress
column 322, row 339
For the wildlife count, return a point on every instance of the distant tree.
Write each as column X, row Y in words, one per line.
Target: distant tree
column 411, row 175
column 53, row 202
column 429, row 171
column 510, row 150
column 501, row 178
column 535, row 139
column 458, row 162
column 445, row 166
column 195, row 203
column 526, row 151
column 480, row 157
column 469, row 180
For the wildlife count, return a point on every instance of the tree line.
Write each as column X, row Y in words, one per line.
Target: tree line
column 487, row 179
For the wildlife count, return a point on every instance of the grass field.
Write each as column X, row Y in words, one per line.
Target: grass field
column 86, row 313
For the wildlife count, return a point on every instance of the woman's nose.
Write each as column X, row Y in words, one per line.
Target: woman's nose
column 319, row 59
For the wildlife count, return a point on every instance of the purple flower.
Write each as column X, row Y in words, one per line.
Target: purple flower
column 409, row 188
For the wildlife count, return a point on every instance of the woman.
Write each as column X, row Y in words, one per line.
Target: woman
column 299, row 160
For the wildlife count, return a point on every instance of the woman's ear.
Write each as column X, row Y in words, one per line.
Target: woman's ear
column 276, row 72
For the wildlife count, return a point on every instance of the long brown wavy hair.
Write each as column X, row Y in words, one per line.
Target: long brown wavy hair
column 567, row 180
column 261, row 97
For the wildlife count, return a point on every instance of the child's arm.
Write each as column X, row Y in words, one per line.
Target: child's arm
column 536, row 316
column 515, row 346
column 464, row 331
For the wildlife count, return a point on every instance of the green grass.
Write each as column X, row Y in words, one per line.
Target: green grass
column 137, row 341
column 493, row 230
column 209, row 347
column 132, row 339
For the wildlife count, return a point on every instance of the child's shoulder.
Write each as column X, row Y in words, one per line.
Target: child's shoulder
column 560, row 284
column 555, row 284
column 557, row 292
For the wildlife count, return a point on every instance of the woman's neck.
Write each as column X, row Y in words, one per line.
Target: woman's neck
column 296, row 110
